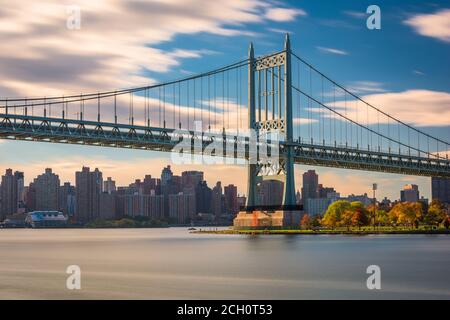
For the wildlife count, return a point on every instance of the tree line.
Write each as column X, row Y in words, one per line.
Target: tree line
column 347, row 214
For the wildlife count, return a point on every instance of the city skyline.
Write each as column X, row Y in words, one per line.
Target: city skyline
column 228, row 173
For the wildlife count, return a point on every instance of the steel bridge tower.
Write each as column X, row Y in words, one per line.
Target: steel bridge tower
column 269, row 111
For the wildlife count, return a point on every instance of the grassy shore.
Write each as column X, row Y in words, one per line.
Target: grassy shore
column 365, row 231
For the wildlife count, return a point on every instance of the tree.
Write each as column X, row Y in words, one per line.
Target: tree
column 346, row 218
column 406, row 213
column 382, row 217
column 359, row 218
column 447, row 223
column 436, row 214
column 306, row 221
column 332, row 217
column 316, row 221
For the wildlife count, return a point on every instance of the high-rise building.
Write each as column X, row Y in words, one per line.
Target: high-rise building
column 310, row 185
column 9, row 194
column 191, row 178
column 30, row 197
column 109, row 185
column 107, row 206
column 89, row 188
column 410, row 193
column 315, row 206
column 216, row 200
column 166, row 176
column 203, row 196
column 298, row 197
column 46, row 187
column 440, row 189
column 155, row 206
column 181, row 207
column 19, row 177
column 241, row 200
column 67, row 199
column 322, row 192
column 270, row 193
column 149, row 185
column 135, row 205
column 231, row 204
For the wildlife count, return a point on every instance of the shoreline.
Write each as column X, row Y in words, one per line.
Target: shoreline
column 319, row 232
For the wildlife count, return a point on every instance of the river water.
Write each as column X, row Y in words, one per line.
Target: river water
column 174, row 264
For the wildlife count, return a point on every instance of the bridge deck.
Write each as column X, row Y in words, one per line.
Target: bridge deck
column 82, row 132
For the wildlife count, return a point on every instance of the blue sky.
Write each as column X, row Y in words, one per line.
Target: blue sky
column 122, row 44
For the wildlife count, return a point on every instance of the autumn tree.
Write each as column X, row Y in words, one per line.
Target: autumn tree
column 436, row 214
column 359, row 218
column 332, row 217
column 306, row 221
column 406, row 213
column 447, row 223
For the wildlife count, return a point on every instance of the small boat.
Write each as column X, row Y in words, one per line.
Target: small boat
column 191, row 229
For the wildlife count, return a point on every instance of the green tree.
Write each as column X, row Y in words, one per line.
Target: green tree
column 332, row 217
column 316, row 221
column 436, row 214
column 382, row 217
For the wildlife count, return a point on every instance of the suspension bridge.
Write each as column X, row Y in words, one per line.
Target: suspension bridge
column 322, row 122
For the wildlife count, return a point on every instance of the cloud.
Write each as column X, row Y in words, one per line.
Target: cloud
column 117, row 43
column 332, row 50
column 355, row 14
column 364, row 87
column 299, row 121
column 277, row 30
column 417, row 107
column 283, row 14
column 435, row 25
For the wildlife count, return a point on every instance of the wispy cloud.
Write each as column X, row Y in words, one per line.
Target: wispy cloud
column 418, row 72
column 435, row 25
column 283, row 14
column 355, row 14
column 332, row 50
column 365, row 87
column 283, row 31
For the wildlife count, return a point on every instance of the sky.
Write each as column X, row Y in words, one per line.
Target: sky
column 403, row 68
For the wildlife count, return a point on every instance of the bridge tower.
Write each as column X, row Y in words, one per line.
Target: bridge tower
column 270, row 111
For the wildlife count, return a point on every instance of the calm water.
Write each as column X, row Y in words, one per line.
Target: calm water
column 171, row 263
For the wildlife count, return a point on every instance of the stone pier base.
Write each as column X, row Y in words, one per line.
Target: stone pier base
column 260, row 219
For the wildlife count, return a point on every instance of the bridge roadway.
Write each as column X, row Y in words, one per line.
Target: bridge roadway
column 107, row 134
